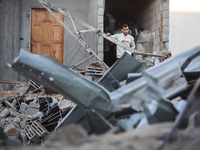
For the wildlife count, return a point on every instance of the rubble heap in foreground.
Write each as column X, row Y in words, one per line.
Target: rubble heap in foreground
column 129, row 97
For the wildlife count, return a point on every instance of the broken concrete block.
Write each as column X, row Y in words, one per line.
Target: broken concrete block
column 16, row 125
column 39, row 115
column 22, row 116
column 23, row 124
column 10, row 105
column 32, row 136
column 24, row 90
column 11, row 130
column 16, row 119
column 13, row 112
column 23, row 107
column 31, row 111
column 4, row 113
column 9, row 120
column 34, row 105
column 64, row 105
column 14, row 102
column 23, row 136
column 2, row 122
column 39, row 129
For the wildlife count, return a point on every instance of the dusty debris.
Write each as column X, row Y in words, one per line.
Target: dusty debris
column 126, row 98
column 23, row 105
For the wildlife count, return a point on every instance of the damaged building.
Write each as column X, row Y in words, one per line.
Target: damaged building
column 29, row 33
column 58, row 73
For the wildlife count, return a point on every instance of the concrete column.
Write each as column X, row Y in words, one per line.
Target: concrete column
column 100, row 22
column 9, row 36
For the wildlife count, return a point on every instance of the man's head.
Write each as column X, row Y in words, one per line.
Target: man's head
column 125, row 29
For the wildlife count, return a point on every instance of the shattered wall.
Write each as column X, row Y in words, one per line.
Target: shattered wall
column 9, row 39
column 154, row 16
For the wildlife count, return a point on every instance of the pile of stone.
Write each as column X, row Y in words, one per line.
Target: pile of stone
column 28, row 113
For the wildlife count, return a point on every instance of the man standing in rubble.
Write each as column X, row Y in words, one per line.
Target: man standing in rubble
column 125, row 38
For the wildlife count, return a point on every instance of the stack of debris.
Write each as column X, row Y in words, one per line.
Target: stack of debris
column 128, row 96
column 28, row 113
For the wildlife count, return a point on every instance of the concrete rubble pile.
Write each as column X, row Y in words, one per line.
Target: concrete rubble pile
column 127, row 97
column 29, row 114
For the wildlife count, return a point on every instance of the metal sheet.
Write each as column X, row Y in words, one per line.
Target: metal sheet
column 91, row 120
column 119, row 71
column 60, row 79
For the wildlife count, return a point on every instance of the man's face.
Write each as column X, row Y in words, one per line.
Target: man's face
column 125, row 30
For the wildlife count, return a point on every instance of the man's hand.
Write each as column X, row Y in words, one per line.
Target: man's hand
column 165, row 55
column 108, row 34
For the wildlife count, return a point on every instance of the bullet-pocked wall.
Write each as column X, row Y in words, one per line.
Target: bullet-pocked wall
column 151, row 15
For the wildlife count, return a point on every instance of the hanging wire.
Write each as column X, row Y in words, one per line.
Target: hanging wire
column 71, row 52
column 75, row 54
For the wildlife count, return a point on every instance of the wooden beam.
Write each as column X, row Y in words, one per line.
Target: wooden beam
column 72, row 22
column 87, row 31
column 80, row 63
column 81, row 22
column 85, row 46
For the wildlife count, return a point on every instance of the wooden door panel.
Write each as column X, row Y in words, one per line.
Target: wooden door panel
column 36, row 34
column 47, row 51
column 39, row 16
column 56, row 55
column 36, row 48
column 47, row 35
column 47, row 32
column 57, row 32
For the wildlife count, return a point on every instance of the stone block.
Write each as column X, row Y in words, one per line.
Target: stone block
column 101, row 3
column 13, row 112
column 166, row 6
column 157, row 10
column 101, row 11
column 31, row 112
column 151, row 6
column 158, row 17
column 9, row 119
column 34, row 105
column 152, row 13
column 153, row 27
column 165, row 29
column 157, row 25
column 157, row 33
column 165, row 37
column 157, row 3
column 23, row 136
column 157, row 41
column 4, row 113
column 165, row 14
column 65, row 105
column 14, row 102
column 100, row 19
column 165, row 21
column 11, row 130
column 23, row 107
column 16, row 119
column 23, row 124
column 10, row 105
